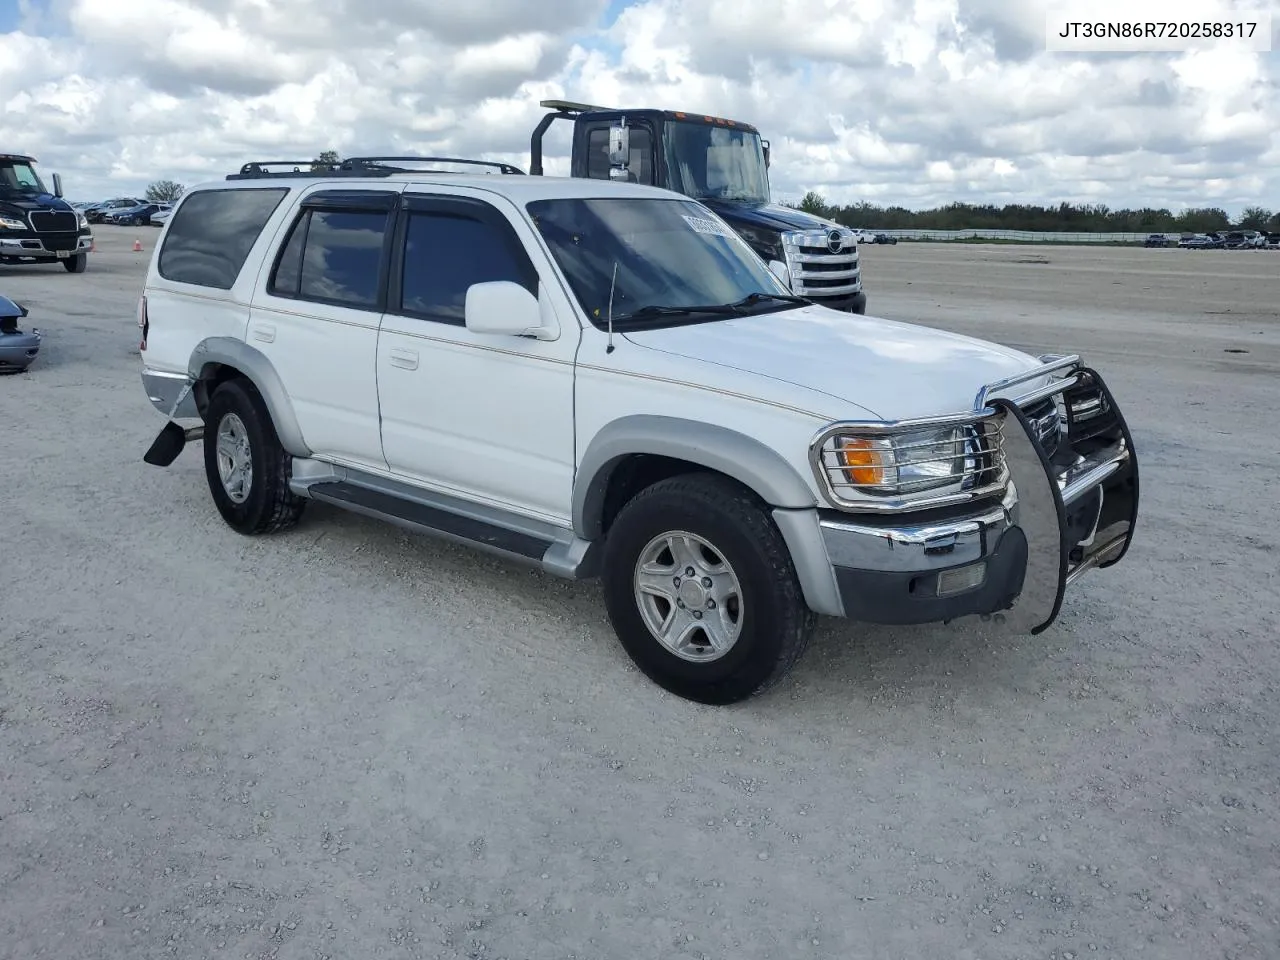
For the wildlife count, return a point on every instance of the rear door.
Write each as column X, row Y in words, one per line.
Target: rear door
column 317, row 312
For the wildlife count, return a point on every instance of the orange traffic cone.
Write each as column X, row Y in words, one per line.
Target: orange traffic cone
column 93, row 246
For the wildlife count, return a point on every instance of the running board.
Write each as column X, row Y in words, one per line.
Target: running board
column 529, row 542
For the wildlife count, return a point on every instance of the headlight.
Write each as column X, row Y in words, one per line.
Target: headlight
column 905, row 463
column 81, row 220
column 9, row 223
column 765, row 242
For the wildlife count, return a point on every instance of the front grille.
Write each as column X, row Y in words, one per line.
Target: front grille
column 817, row 270
column 55, row 221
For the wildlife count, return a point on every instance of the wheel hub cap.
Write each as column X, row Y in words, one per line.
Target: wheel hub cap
column 689, row 596
column 235, row 458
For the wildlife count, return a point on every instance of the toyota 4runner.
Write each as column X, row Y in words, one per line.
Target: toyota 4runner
column 603, row 380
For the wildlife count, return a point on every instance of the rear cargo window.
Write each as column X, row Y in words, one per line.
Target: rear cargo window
column 212, row 233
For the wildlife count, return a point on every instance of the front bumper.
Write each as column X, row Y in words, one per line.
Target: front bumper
column 852, row 303
column 50, row 247
column 1012, row 555
column 18, row 350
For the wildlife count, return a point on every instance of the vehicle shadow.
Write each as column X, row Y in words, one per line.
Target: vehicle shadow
column 848, row 663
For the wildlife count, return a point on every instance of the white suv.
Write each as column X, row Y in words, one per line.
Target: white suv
column 603, row 380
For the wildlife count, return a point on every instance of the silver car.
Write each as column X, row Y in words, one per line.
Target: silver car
column 18, row 348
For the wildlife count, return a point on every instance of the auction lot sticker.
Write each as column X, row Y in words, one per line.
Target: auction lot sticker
column 1158, row 26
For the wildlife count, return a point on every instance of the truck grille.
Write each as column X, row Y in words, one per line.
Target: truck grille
column 61, row 243
column 56, row 221
column 823, row 263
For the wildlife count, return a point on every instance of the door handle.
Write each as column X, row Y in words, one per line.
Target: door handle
column 264, row 332
column 404, row 359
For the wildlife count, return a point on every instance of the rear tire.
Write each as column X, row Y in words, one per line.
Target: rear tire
column 742, row 614
column 76, row 264
column 247, row 469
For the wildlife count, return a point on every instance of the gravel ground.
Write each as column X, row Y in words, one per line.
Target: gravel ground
column 347, row 742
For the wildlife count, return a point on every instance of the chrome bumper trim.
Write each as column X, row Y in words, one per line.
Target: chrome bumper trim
column 918, row 548
column 34, row 247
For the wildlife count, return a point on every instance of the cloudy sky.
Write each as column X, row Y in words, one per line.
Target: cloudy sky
column 912, row 102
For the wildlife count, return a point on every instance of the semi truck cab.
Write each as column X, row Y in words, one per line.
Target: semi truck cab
column 723, row 164
column 37, row 225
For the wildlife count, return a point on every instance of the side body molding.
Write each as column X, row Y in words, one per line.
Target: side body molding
column 254, row 364
column 734, row 454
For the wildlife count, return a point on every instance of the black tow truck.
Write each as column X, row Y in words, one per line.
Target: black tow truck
column 36, row 225
column 724, row 165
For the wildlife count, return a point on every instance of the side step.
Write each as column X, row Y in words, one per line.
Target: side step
column 552, row 549
column 428, row 519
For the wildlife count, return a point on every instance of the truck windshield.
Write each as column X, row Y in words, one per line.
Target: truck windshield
column 715, row 163
column 676, row 262
column 19, row 177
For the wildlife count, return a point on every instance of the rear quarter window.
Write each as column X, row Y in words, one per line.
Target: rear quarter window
column 211, row 235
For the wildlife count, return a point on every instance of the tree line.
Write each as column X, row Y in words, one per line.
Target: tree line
column 1065, row 217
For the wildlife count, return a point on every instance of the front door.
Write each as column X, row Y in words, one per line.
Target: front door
column 483, row 416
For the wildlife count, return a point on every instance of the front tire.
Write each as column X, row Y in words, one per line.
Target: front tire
column 733, row 628
column 76, row 264
column 247, row 469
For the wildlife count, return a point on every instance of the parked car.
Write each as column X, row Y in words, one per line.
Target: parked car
column 475, row 357
column 18, row 348
column 1157, row 240
column 884, row 238
column 1203, row 241
column 96, row 213
column 132, row 216
column 161, row 216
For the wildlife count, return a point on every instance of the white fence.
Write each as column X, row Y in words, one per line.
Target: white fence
column 1045, row 236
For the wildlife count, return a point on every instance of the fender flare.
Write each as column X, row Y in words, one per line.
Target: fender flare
column 734, row 454
column 254, row 365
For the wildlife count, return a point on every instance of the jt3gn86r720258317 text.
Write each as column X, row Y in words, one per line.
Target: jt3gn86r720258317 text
column 1150, row 28
column 1159, row 30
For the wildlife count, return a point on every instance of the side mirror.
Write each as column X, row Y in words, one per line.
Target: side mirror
column 619, row 153
column 503, row 308
column 779, row 270
column 765, row 146
column 57, row 184
column 619, row 147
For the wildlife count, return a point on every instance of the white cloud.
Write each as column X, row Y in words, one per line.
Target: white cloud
column 911, row 102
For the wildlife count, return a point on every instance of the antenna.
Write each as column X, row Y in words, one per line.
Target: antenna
column 612, row 284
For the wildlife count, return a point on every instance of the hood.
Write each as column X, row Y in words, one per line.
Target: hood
column 770, row 216
column 897, row 371
column 24, row 203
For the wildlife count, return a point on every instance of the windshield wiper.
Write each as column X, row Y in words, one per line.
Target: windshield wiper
column 759, row 297
column 659, row 310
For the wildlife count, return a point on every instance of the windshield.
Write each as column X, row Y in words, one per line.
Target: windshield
column 19, row 177
column 671, row 254
column 720, row 163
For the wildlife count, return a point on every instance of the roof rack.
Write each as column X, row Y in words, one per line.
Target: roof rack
column 352, row 167
column 381, row 162
column 261, row 169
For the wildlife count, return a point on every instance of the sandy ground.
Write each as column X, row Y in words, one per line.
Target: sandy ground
column 345, row 742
